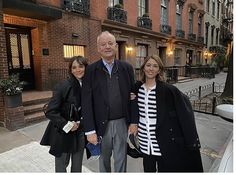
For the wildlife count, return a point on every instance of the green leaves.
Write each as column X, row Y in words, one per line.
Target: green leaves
column 12, row 85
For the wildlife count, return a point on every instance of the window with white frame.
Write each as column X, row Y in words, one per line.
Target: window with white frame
column 217, row 37
column 164, row 12
column 141, row 54
column 208, row 5
column 218, row 10
column 200, row 25
column 142, row 7
column 73, row 50
column 212, row 35
column 213, row 7
column 190, row 21
column 177, row 57
column 178, row 17
column 112, row 3
column 198, row 59
column 206, row 34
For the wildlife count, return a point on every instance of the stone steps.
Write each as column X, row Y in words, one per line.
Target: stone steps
column 33, row 103
column 34, row 117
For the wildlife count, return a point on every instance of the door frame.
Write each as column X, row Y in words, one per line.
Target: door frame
column 20, row 30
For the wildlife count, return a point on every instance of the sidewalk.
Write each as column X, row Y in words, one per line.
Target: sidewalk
column 20, row 150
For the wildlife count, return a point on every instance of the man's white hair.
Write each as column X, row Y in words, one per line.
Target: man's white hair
column 105, row 33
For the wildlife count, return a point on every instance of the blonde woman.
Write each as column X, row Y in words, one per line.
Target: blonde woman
column 167, row 132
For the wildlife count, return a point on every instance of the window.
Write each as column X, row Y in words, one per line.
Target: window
column 213, row 7
column 73, row 50
column 142, row 7
column 206, row 34
column 164, row 12
column 200, row 25
column 208, row 5
column 217, row 36
column 190, row 21
column 212, row 35
column 141, row 54
column 178, row 17
column 218, row 10
column 112, row 3
column 177, row 58
column 198, row 59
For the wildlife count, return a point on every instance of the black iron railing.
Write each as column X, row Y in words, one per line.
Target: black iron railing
column 180, row 33
column 55, row 76
column 200, row 39
column 144, row 22
column 203, row 71
column 78, row 6
column 165, row 29
column 117, row 14
column 204, row 98
column 192, row 37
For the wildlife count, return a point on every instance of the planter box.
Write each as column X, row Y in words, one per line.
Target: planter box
column 12, row 101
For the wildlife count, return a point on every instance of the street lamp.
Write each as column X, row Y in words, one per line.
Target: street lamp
column 207, row 55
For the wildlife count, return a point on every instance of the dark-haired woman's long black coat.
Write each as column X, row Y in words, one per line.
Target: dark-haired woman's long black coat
column 176, row 131
column 58, row 111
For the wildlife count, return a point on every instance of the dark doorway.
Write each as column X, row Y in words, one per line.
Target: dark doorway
column 19, row 55
column 162, row 54
column 120, row 55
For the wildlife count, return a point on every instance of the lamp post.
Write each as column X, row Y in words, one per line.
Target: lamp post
column 207, row 55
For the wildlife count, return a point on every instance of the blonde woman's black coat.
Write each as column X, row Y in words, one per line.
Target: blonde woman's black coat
column 176, row 131
column 65, row 95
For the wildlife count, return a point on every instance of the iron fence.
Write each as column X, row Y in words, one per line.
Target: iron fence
column 205, row 98
column 55, row 76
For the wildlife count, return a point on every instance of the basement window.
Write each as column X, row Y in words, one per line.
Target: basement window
column 73, row 50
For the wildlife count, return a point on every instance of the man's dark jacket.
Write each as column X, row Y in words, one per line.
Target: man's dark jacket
column 176, row 131
column 95, row 105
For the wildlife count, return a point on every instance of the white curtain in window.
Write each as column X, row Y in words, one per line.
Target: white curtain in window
column 164, row 12
column 141, row 7
column 141, row 54
column 191, row 21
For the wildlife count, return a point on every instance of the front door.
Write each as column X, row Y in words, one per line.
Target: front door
column 19, row 55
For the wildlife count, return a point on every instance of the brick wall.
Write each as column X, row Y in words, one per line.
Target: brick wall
column 3, row 63
column 15, row 118
column 53, row 35
column 59, row 32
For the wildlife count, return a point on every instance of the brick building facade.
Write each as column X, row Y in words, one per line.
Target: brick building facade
column 44, row 30
column 136, row 32
column 33, row 37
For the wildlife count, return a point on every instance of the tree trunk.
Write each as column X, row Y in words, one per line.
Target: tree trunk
column 228, row 90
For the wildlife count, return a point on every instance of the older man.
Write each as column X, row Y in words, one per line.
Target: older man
column 106, row 104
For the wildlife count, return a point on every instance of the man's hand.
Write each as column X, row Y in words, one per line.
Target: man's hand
column 132, row 96
column 92, row 138
column 133, row 129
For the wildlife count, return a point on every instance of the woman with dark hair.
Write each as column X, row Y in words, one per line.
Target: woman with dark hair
column 167, row 132
column 64, row 133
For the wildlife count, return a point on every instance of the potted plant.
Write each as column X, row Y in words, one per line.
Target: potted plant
column 12, row 89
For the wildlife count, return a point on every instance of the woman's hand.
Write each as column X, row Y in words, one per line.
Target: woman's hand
column 133, row 129
column 75, row 126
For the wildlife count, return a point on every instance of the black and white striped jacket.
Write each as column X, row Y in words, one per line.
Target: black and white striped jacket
column 147, row 121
